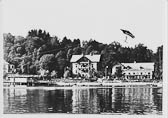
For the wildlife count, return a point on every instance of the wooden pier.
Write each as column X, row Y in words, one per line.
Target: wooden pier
column 29, row 80
column 17, row 79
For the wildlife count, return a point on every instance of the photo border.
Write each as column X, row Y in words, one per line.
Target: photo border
column 44, row 115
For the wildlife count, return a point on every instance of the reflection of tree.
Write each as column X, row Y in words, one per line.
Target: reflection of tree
column 56, row 100
column 59, row 100
column 118, row 72
column 102, row 100
column 106, row 98
column 133, row 100
column 157, row 98
column 15, row 100
column 118, row 100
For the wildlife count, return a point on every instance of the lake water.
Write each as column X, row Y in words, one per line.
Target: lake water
column 76, row 100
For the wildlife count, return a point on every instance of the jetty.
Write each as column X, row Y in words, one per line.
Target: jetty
column 37, row 80
column 17, row 79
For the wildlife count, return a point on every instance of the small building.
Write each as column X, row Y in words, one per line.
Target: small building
column 20, row 79
column 8, row 68
column 83, row 64
column 136, row 71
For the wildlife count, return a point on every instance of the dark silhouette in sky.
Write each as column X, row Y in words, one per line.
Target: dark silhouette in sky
column 127, row 33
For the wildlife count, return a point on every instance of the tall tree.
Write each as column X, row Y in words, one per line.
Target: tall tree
column 47, row 62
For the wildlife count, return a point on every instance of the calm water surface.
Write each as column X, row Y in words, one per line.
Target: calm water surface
column 125, row 100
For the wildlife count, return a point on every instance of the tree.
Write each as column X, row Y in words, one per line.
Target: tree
column 76, row 42
column 39, row 49
column 89, row 50
column 54, row 74
column 25, row 64
column 118, row 72
column 47, row 62
column 141, row 53
column 62, row 62
column 8, row 38
column 77, row 50
column 66, row 42
column 158, row 67
column 54, row 42
column 19, row 39
column 69, row 54
column 66, row 74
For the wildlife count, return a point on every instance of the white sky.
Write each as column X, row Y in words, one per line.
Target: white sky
column 85, row 19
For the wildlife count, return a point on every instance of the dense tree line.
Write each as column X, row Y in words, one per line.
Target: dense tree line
column 38, row 50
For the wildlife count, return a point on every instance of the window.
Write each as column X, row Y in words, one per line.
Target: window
column 148, row 73
column 125, row 67
column 128, row 67
column 141, row 67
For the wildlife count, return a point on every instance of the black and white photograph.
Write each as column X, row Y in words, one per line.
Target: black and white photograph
column 103, row 58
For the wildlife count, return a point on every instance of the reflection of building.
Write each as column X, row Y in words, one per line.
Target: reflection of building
column 85, row 101
column 80, row 99
column 15, row 100
column 8, row 68
column 136, row 70
column 139, row 98
column 83, row 64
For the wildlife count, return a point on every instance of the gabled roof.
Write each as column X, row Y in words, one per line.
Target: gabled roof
column 92, row 58
column 144, row 65
column 75, row 58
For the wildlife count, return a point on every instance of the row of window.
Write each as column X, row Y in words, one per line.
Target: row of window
column 137, row 74
column 128, row 67
column 83, row 65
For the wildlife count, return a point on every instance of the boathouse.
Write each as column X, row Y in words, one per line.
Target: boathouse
column 18, row 79
column 136, row 71
column 84, row 64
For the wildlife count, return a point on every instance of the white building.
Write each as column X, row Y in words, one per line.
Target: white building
column 8, row 68
column 134, row 71
column 83, row 64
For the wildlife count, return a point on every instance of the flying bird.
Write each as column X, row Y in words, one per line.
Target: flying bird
column 127, row 33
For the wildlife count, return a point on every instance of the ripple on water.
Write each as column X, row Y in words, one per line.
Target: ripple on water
column 135, row 100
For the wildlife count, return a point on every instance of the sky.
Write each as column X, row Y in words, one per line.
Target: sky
column 100, row 20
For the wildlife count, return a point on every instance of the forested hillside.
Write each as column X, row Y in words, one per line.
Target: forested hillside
column 38, row 50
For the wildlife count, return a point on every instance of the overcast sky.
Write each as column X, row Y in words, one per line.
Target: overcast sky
column 85, row 19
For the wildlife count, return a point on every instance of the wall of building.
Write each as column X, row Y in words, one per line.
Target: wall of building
column 8, row 68
column 139, row 74
column 95, row 66
column 76, row 68
column 114, row 69
column 134, row 73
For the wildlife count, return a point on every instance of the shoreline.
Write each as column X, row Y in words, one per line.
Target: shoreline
column 91, row 85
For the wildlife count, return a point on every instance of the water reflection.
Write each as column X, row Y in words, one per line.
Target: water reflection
column 129, row 100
